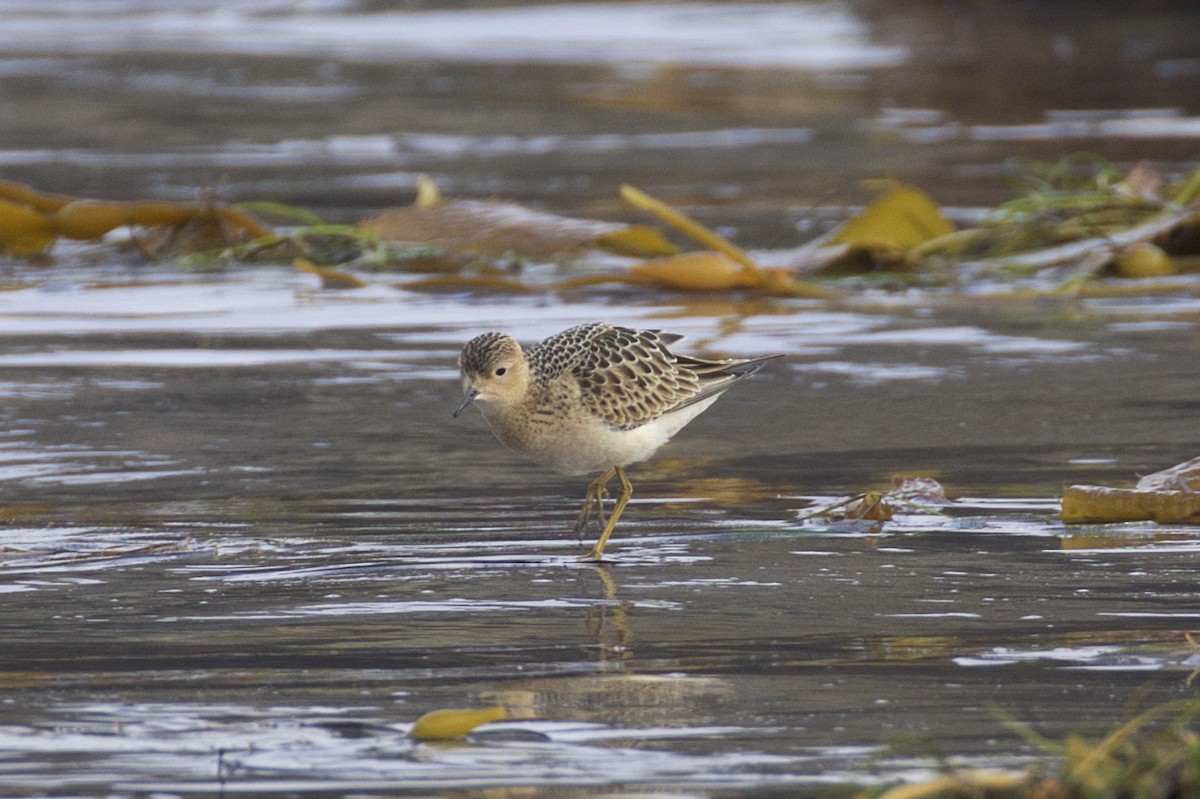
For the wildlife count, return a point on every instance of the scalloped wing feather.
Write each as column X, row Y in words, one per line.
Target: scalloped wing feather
column 628, row 378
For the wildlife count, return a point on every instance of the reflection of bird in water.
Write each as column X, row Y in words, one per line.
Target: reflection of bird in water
column 598, row 621
column 593, row 398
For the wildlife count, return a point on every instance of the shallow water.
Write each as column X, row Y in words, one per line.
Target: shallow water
column 244, row 545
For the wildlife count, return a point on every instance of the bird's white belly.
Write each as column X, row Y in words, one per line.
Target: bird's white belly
column 589, row 446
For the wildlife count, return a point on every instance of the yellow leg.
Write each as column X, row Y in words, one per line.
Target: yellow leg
column 594, row 498
column 622, row 500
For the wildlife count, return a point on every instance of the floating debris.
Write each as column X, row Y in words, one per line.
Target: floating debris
column 452, row 724
column 1171, row 496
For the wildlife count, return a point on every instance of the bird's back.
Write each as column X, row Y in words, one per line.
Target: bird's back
column 628, row 378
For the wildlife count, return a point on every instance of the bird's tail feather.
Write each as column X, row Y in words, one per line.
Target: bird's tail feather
column 716, row 376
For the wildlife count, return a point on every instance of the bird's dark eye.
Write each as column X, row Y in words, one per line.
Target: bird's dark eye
column 500, row 372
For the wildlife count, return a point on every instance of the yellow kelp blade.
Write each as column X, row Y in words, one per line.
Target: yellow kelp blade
column 24, row 231
column 449, row 725
column 895, row 222
column 21, row 194
column 1099, row 505
column 636, row 241
column 694, row 271
column 91, row 219
column 30, row 229
column 776, row 282
column 1170, row 496
column 681, row 221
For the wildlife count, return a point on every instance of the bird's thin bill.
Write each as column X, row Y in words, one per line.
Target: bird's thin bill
column 467, row 396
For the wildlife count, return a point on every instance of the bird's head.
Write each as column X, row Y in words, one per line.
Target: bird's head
column 493, row 371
